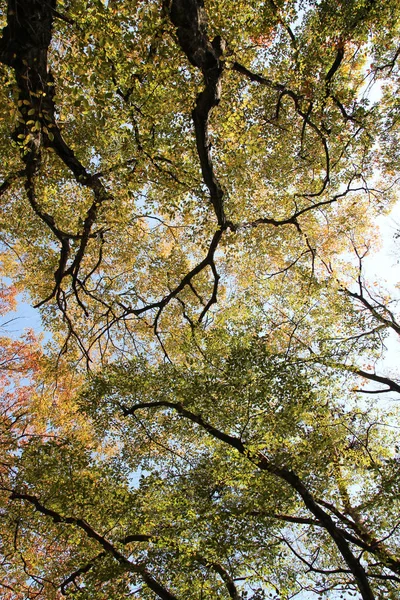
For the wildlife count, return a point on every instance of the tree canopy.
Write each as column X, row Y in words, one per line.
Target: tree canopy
column 189, row 193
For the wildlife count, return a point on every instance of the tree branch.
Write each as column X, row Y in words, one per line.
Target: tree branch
column 108, row 547
column 190, row 19
column 290, row 477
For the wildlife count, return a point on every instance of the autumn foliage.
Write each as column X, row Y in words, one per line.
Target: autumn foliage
column 189, row 197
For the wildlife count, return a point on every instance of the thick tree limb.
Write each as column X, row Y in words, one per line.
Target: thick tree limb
column 223, row 573
column 335, row 65
column 190, row 20
column 24, row 47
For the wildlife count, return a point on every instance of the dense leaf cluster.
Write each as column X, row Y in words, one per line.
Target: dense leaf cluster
column 188, row 194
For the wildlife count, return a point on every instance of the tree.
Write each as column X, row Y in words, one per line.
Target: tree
column 188, row 192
